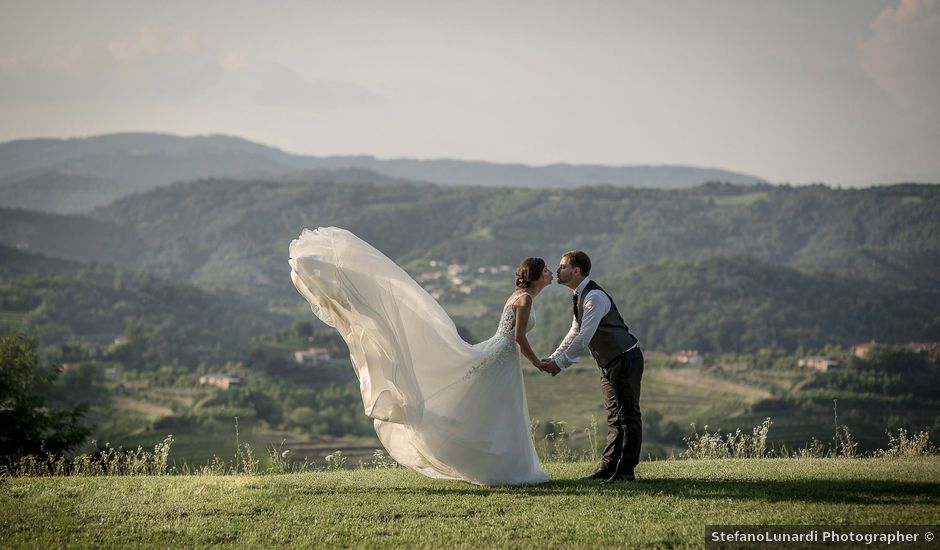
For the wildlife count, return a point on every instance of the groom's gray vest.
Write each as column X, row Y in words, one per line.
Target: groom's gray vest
column 612, row 338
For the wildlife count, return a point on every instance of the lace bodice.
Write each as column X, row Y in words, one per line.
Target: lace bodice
column 501, row 348
column 507, row 320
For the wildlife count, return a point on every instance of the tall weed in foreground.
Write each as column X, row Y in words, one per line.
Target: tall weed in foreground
column 557, row 438
column 279, row 461
column 591, row 432
column 380, row 461
column 540, row 444
column 335, row 460
column 814, row 449
column 213, row 467
column 551, row 446
column 106, row 461
column 917, row 444
column 732, row 445
column 843, row 444
column 245, row 461
column 249, row 464
column 553, row 442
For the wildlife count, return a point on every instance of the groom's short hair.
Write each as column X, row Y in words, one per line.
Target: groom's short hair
column 579, row 259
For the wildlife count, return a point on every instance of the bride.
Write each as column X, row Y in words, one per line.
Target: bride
column 441, row 406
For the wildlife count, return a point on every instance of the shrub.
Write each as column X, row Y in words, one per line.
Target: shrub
column 27, row 424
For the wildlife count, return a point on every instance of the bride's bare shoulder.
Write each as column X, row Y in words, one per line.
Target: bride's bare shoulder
column 520, row 298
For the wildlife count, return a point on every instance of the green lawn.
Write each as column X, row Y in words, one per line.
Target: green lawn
column 668, row 507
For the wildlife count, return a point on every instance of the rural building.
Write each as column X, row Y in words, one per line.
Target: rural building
column 222, row 381
column 821, row 364
column 312, row 356
column 862, row 350
column 930, row 349
column 689, row 357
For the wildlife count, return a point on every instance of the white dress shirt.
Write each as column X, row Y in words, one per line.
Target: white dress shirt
column 596, row 306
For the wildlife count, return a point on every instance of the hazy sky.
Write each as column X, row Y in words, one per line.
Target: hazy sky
column 840, row 91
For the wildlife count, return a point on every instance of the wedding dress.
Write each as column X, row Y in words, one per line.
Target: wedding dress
column 441, row 406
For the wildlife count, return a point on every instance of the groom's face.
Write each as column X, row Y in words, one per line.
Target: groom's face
column 565, row 271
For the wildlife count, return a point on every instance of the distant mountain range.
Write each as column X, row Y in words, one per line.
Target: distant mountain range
column 79, row 174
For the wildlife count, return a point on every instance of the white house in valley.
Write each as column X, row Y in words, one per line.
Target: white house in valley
column 312, row 356
column 689, row 357
column 821, row 364
column 221, row 381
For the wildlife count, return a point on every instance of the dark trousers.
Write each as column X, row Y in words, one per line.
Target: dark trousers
column 620, row 383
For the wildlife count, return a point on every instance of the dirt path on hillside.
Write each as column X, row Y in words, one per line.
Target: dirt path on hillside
column 800, row 385
column 202, row 402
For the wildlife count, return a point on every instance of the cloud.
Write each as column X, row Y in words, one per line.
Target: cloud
column 151, row 43
column 901, row 55
column 168, row 64
column 282, row 87
column 149, row 64
column 152, row 66
column 272, row 84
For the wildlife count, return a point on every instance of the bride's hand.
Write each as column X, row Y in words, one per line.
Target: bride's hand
column 549, row 366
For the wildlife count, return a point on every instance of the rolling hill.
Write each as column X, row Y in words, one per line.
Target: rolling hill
column 888, row 235
column 163, row 323
column 718, row 267
column 74, row 175
column 194, row 275
column 722, row 305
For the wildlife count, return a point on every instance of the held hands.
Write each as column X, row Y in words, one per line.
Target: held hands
column 549, row 366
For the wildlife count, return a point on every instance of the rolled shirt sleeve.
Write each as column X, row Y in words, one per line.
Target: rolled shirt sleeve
column 596, row 306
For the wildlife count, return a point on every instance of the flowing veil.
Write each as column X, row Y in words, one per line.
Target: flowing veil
column 441, row 406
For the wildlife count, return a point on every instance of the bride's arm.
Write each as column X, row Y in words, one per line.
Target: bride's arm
column 523, row 307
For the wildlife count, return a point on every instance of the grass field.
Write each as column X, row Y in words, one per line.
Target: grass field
column 668, row 507
column 682, row 396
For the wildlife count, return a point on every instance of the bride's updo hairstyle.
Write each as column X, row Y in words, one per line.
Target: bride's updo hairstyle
column 529, row 271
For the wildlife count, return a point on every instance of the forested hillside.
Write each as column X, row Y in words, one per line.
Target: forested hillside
column 799, row 266
column 889, row 235
column 146, row 321
column 737, row 304
column 73, row 237
column 145, row 295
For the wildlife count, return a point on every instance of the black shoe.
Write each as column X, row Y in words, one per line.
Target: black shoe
column 599, row 474
column 622, row 476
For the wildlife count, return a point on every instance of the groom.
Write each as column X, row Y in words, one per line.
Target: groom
column 598, row 326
